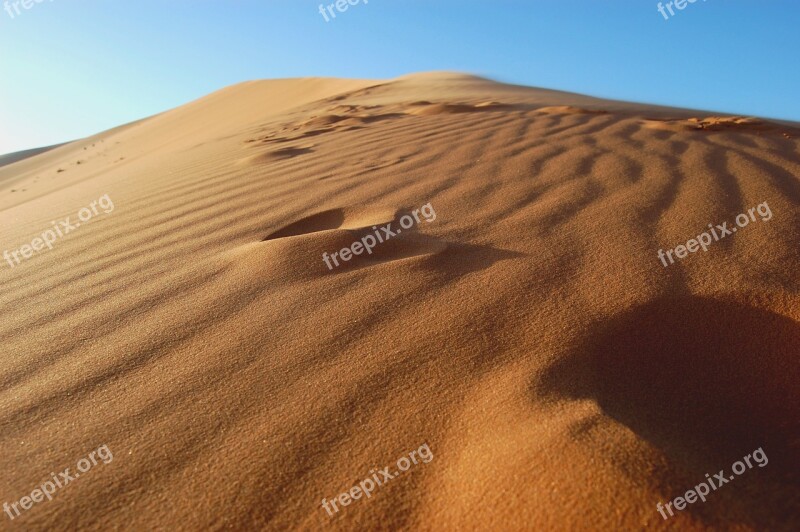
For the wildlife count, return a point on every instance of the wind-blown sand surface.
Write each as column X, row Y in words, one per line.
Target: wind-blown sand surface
column 561, row 376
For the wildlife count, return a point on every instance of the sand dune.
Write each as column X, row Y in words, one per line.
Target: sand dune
column 562, row 377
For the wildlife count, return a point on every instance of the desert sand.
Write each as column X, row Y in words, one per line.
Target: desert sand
column 563, row 378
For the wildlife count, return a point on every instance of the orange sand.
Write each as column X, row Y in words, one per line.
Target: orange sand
column 562, row 377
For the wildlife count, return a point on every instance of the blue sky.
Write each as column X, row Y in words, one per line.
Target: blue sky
column 71, row 68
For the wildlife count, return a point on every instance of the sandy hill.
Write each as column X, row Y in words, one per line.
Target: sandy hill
column 562, row 376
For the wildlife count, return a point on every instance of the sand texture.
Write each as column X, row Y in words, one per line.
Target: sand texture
column 563, row 378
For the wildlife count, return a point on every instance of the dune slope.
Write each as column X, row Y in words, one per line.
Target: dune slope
column 525, row 328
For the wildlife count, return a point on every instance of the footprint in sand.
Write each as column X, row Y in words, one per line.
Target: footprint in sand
column 276, row 155
column 335, row 229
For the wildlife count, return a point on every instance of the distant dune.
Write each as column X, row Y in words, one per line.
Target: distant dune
column 10, row 158
column 562, row 376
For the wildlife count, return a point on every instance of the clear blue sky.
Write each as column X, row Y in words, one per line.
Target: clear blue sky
column 71, row 68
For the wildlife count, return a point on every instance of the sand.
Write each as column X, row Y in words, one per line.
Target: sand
column 563, row 378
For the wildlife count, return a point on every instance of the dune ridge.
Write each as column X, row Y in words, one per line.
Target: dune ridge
column 562, row 377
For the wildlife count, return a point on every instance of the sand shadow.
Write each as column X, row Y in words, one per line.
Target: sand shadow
column 446, row 260
column 706, row 382
column 323, row 221
column 281, row 154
